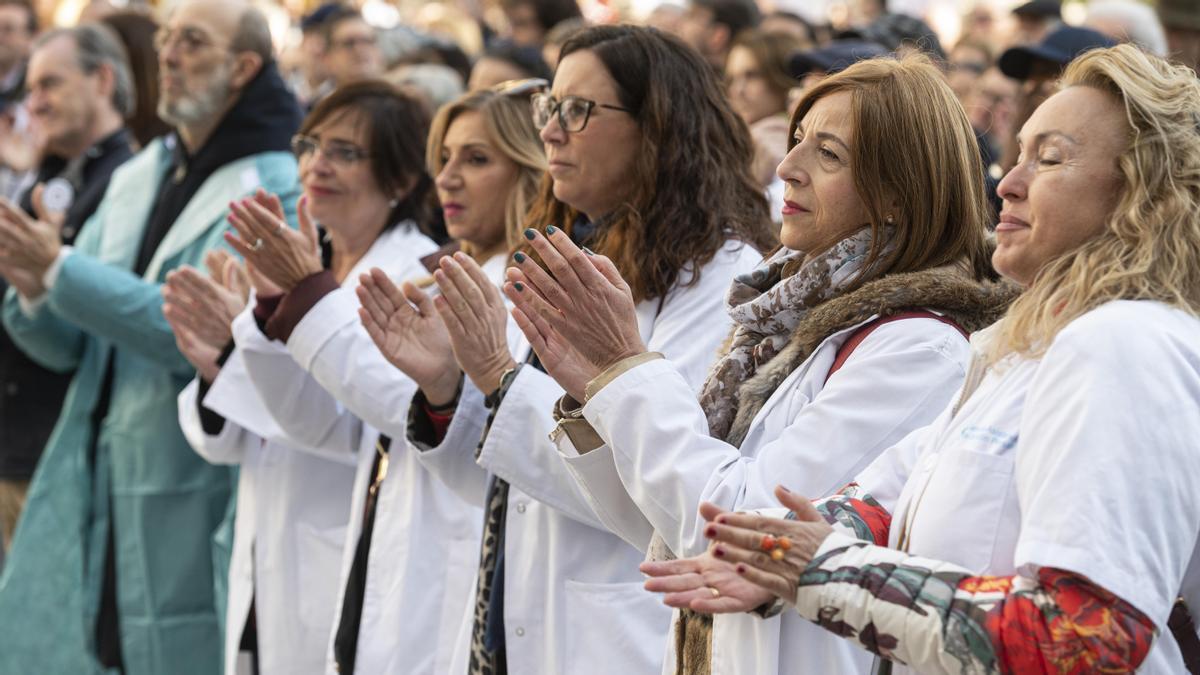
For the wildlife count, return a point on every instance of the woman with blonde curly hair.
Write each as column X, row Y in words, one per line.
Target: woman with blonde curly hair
column 1048, row 521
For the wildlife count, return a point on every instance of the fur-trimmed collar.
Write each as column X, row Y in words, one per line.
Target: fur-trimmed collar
column 971, row 304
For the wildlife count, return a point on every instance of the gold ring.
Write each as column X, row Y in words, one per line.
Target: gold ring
column 715, row 592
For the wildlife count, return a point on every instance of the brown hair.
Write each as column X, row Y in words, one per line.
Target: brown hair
column 692, row 188
column 913, row 148
column 31, row 23
column 772, row 50
column 136, row 30
column 397, row 125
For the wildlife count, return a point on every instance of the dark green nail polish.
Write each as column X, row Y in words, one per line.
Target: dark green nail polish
column 550, row 229
column 588, row 251
column 519, row 257
column 519, row 286
column 530, row 234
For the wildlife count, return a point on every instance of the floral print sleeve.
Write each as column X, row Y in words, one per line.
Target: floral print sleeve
column 938, row 618
column 858, row 512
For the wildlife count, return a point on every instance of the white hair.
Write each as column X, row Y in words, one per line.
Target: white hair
column 1140, row 23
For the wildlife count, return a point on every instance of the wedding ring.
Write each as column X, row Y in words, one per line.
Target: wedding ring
column 715, row 592
column 257, row 245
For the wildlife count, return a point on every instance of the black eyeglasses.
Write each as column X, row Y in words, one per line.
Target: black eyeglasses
column 573, row 111
column 342, row 154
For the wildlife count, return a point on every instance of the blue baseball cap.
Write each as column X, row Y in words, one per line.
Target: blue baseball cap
column 834, row 57
column 1060, row 47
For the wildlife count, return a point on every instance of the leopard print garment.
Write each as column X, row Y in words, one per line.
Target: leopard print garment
column 483, row 660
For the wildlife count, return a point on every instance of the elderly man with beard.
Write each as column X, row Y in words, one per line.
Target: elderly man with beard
column 112, row 566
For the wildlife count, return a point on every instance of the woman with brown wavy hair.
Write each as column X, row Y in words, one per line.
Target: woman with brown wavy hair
column 649, row 165
column 845, row 340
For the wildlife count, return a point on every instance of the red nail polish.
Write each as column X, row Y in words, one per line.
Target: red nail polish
column 741, row 569
column 721, row 519
column 710, row 532
column 719, row 552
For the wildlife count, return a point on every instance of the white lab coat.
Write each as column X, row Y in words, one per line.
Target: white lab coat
column 811, row 435
column 426, row 540
column 574, row 601
column 1083, row 460
column 292, row 510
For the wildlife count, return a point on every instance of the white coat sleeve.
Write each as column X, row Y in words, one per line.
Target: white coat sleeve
column 227, row 447
column 304, row 411
column 687, row 327
column 519, row 450
column 897, row 380
column 453, row 459
column 331, row 344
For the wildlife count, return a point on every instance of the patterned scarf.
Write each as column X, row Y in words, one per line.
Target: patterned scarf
column 767, row 304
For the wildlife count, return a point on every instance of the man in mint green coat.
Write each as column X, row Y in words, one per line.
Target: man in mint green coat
column 112, row 568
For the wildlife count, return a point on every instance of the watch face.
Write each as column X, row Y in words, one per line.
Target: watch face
column 57, row 195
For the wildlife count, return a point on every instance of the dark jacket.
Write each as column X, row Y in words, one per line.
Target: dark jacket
column 31, row 396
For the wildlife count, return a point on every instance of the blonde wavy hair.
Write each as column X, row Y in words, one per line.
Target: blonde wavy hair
column 508, row 121
column 1150, row 246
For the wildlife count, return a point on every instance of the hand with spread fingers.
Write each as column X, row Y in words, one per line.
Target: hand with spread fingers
column 21, row 150
column 25, row 243
column 771, row 552
column 201, row 308
column 752, row 560
column 408, row 331
column 280, row 254
column 704, row 583
column 578, row 301
column 476, row 319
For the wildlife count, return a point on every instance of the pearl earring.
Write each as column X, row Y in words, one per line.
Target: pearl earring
column 890, row 220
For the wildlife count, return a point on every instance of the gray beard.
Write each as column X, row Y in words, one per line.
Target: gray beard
column 188, row 110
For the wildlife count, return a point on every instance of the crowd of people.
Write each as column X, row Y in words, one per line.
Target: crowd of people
column 724, row 342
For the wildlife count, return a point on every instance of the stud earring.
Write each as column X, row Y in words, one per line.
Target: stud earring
column 890, row 219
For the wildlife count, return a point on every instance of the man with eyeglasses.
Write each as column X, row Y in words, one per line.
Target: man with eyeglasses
column 113, row 564
column 80, row 90
column 351, row 48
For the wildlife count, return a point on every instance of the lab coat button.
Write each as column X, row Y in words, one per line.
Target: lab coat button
column 520, row 632
column 520, row 507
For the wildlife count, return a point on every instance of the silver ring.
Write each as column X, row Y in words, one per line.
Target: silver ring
column 257, row 245
column 715, row 592
column 279, row 230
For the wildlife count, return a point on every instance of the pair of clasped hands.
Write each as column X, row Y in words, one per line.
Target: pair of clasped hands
column 580, row 318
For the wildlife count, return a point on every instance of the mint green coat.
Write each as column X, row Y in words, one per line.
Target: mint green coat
column 166, row 502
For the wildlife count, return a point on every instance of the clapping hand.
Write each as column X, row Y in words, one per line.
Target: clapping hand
column 476, row 320
column 579, row 316
column 408, row 331
column 200, row 309
column 279, row 254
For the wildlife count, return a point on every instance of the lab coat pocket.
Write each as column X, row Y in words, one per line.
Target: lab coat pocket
column 319, row 559
column 613, row 628
column 960, row 511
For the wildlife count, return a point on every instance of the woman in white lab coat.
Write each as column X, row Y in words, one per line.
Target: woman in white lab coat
column 649, row 164
column 847, row 339
column 1048, row 521
column 294, row 498
column 413, row 543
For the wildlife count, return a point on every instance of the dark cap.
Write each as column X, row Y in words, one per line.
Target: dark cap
column 897, row 30
column 1059, row 47
column 314, row 19
column 834, row 57
column 1183, row 14
column 1045, row 9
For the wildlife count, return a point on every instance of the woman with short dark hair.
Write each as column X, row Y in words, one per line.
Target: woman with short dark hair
column 309, row 470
